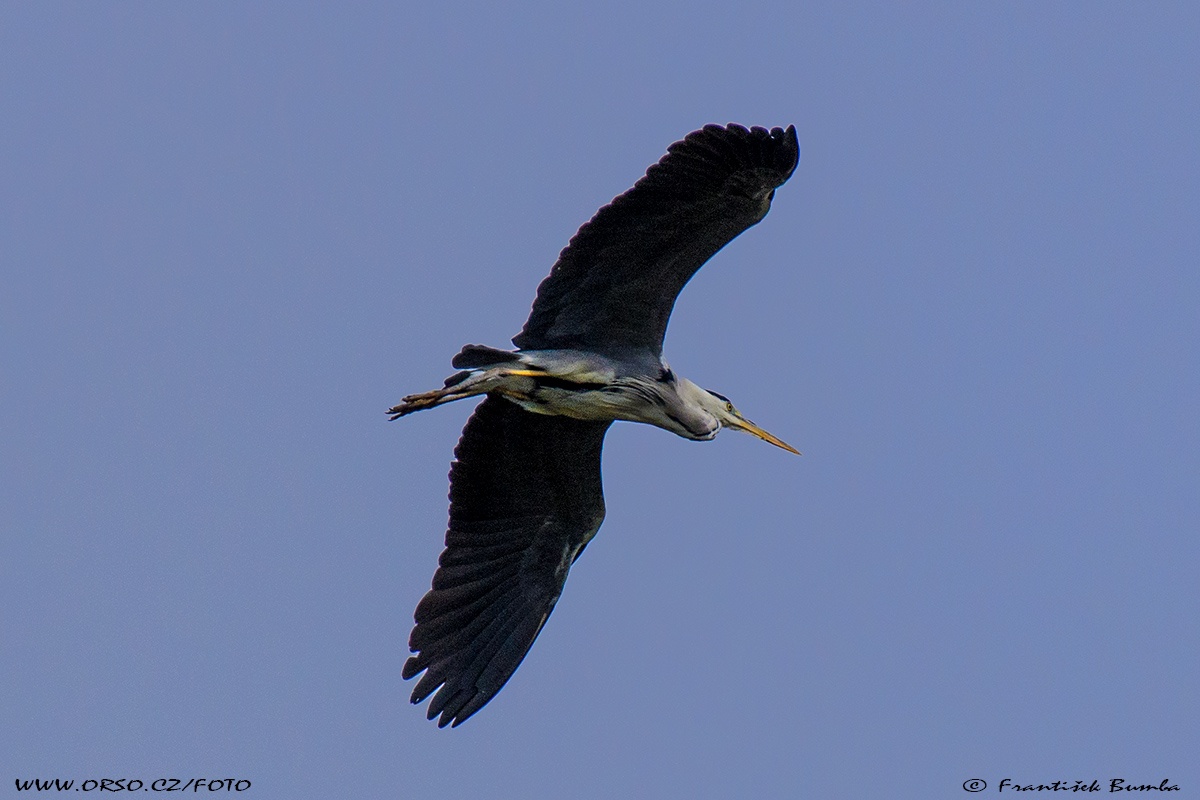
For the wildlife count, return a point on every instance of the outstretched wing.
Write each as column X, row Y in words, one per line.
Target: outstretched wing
column 525, row 498
column 615, row 284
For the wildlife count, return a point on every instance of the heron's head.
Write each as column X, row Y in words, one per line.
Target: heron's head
column 720, row 406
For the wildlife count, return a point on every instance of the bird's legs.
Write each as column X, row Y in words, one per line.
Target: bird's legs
column 510, row 380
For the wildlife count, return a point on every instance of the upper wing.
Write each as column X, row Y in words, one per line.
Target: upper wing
column 525, row 497
column 614, row 285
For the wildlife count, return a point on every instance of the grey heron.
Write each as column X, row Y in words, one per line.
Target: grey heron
column 525, row 491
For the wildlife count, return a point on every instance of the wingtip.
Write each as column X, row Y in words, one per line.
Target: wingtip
column 788, row 154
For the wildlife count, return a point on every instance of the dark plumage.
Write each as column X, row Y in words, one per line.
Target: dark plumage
column 525, row 497
column 525, row 489
column 616, row 282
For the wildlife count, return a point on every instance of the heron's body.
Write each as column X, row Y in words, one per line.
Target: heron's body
column 525, row 490
column 584, row 386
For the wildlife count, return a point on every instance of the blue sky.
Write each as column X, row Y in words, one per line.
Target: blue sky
column 232, row 236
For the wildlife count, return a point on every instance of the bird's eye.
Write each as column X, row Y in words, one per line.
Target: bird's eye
column 729, row 406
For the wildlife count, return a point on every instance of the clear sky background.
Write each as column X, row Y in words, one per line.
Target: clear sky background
column 232, row 235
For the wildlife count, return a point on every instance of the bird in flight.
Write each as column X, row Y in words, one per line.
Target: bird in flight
column 525, row 491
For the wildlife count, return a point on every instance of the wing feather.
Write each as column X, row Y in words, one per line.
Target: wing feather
column 525, row 497
column 614, row 286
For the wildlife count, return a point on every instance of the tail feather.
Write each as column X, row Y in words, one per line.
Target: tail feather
column 475, row 356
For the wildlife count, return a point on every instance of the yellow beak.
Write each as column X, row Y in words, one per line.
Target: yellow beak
column 749, row 427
